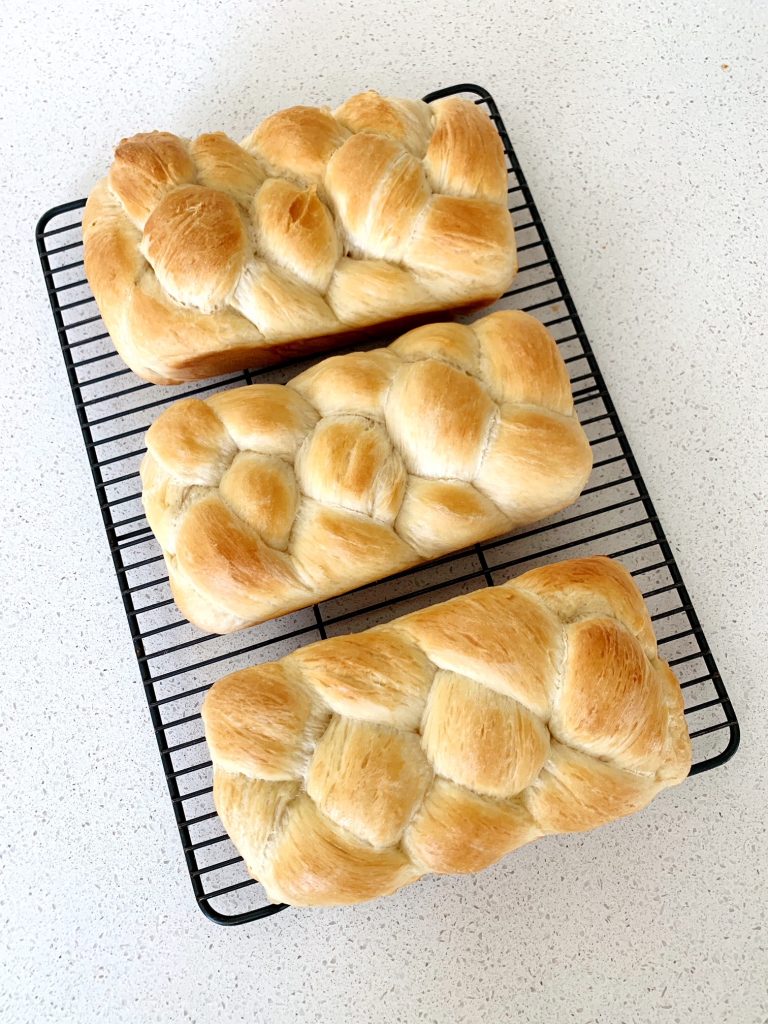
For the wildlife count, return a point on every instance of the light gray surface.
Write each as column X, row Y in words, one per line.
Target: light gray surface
column 647, row 159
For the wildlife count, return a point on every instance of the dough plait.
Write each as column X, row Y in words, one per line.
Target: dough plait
column 448, row 738
column 272, row 497
column 207, row 256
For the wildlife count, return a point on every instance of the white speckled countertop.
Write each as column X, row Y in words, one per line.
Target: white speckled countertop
column 641, row 128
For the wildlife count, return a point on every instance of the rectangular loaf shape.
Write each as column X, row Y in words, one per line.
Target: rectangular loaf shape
column 206, row 256
column 447, row 738
column 271, row 497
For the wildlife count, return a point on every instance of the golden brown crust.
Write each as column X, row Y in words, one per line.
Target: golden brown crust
column 372, row 676
column 321, row 228
column 461, row 247
column 316, row 858
column 445, row 739
column 298, row 140
column 520, row 660
column 265, row 727
column 334, row 546
column 515, row 742
column 222, row 164
column 534, row 373
column 522, row 468
column 262, row 490
column 268, row 498
column 439, row 419
column 457, row 831
column 594, row 586
column 350, row 461
column 195, row 239
column 367, row 778
column 407, row 121
column 146, row 167
column 295, row 230
column 629, row 724
column 463, row 157
column 220, row 557
column 576, row 792
column 435, row 509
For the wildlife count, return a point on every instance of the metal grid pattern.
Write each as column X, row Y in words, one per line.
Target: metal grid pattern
column 614, row 516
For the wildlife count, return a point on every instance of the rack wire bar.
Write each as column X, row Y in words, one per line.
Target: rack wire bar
column 178, row 663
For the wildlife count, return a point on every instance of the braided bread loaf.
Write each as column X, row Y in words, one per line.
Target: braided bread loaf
column 207, row 256
column 447, row 738
column 272, row 497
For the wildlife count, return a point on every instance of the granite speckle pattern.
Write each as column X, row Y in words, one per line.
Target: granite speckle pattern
column 648, row 161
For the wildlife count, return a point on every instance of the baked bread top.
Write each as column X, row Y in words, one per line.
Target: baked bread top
column 272, row 497
column 206, row 256
column 448, row 737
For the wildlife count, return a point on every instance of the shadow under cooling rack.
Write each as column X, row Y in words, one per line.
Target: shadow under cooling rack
column 614, row 516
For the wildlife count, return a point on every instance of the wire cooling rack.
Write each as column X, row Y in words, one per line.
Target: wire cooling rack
column 614, row 516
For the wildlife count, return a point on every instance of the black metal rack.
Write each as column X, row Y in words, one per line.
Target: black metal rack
column 178, row 663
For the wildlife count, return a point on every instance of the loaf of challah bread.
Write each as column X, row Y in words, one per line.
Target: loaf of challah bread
column 209, row 256
column 271, row 497
column 447, row 738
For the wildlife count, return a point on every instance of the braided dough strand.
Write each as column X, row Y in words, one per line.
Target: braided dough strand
column 447, row 738
column 209, row 256
column 272, row 497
